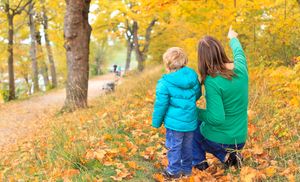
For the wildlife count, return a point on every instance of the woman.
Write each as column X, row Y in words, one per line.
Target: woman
column 223, row 128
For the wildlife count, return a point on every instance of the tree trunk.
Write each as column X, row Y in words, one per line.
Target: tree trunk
column 128, row 57
column 129, row 38
column 43, row 64
column 139, row 54
column 98, row 65
column 44, row 72
column 10, row 61
column 148, row 37
column 10, row 13
column 48, row 46
column 28, row 84
column 100, row 56
column 77, row 32
column 33, row 48
column 234, row 3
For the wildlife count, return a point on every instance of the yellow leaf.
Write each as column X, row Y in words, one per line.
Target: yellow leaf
column 291, row 178
column 70, row 172
column 121, row 174
column 107, row 137
column 270, row 171
column 132, row 164
column 158, row 177
column 248, row 174
column 258, row 150
column 149, row 100
column 251, row 115
column 99, row 154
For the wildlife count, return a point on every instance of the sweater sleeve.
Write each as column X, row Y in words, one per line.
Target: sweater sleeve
column 161, row 105
column 238, row 52
column 214, row 113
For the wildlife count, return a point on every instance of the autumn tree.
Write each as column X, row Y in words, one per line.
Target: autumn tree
column 138, row 16
column 11, row 10
column 33, row 47
column 77, row 31
column 45, row 22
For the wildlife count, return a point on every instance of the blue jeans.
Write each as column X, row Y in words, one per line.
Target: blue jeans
column 201, row 145
column 180, row 151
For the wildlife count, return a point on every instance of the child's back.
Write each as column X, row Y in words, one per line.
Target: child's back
column 176, row 96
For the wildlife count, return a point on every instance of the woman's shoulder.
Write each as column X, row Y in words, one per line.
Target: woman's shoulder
column 213, row 80
column 217, row 83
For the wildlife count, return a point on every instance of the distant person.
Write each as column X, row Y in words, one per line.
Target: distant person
column 175, row 106
column 223, row 130
column 115, row 68
column 119, row 71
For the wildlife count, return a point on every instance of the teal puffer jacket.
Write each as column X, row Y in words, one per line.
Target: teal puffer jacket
column 175, row 103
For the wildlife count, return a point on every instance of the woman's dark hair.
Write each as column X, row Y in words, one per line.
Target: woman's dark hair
column 212, row 59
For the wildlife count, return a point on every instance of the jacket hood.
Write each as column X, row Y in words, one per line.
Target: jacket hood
column 185, row 78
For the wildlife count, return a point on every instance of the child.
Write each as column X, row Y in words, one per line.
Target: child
column 175, row 106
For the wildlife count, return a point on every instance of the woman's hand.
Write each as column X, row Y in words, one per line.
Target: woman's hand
column 232, row 33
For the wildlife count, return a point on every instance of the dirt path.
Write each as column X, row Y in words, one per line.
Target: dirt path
column 19, row 118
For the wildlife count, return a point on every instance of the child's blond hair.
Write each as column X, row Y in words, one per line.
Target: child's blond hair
column 175, row 58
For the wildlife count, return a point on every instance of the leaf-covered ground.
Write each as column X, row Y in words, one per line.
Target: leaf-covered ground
column 113, row 140
column 24, row 117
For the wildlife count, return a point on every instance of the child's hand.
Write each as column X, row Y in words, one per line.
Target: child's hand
column 232, row 33
column 155, row 126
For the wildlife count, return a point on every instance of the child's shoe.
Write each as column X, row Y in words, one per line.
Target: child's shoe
column 202, row 166
column 169, row 175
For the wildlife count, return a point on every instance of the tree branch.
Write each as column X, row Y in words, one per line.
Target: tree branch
column 129, row 35
column 15, row 9
column 148, row 35
column 6, row 7
column 135, row 37
column 20, row 8
column 128, row 26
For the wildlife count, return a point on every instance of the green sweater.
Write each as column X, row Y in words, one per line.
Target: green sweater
column 225, row 118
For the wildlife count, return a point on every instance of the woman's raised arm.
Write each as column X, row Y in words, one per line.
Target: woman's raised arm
column 237, row 49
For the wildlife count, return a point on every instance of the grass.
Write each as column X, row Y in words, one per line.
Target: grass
column 113, row 138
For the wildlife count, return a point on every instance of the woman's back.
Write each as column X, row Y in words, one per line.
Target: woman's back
column 225, row 118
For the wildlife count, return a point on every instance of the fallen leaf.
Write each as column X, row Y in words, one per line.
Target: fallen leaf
column 291, row 178
column 132, row 164
column 248, row 174
column 158, row 177
column 270, row 171
column 258, row 150
column 70, row 172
